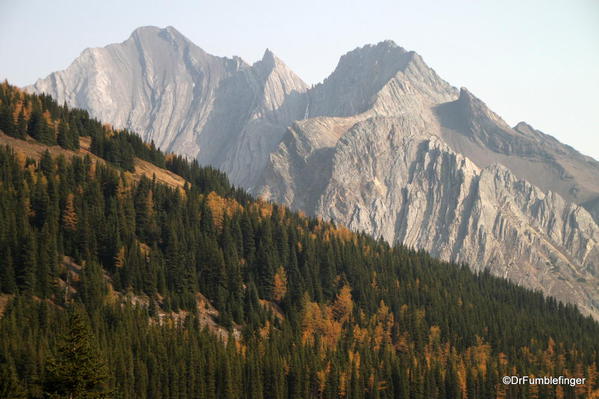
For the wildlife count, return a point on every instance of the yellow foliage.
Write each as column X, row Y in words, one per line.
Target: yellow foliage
column 149, row 204
column 342, row 384
column 480, row 354
column 69, row 215
column 219, row 207
column 107, row 127
column 263, row 208
column 592, row 375
column 402, row 343
column 280, row 284
column 265, row 331
column 382, row 312
column 92, row 170
column 281, row 213
column 360, row 334
column 48, row 118
column 21, row 159
column 317, row 321
column 461, row 373
column 321, row 376
column 434, row 334
column 17, row 110
column 144, row 248
column 343, row 233
column 241, row 348
column 343, row 305
column 379, row 336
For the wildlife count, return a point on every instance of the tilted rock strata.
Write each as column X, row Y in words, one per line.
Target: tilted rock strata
column 389, row 177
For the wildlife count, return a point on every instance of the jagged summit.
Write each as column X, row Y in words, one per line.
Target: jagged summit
column 380, row 77
column 378, row 62
column 382, row 47
column 388, row 43
column 269, row 56
column 269, row 62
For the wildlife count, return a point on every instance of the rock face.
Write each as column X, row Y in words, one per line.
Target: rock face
column 383, row 145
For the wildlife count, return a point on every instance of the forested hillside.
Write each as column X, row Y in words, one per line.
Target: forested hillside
column 159, row 291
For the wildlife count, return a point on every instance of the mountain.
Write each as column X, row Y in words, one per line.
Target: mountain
column 128, row 272
column 383, row 145
column 401, row 179
column 221, row 111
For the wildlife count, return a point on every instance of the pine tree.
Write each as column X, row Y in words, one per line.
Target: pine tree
column 9, row 383
column 28, row 261
column 62, row 137
column 7, row 274
column 21, row 128
column 77, row 371
column 93, row 288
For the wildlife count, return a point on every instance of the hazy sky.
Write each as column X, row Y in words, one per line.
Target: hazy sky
column 532, row 60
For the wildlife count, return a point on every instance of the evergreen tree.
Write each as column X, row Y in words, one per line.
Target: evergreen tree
column 10, row 387
column 77, row 371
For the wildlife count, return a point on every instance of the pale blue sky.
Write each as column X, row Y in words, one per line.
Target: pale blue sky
column 535, row 60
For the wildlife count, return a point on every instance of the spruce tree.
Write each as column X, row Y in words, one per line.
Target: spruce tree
column 9, row 383
column 77, row 371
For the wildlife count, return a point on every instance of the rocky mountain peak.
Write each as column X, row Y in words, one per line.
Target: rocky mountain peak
column 148, row 34
column 383, row 78
column 269, row 63
column 276, row 77
column 380, row 61
column 269, row 57
column 360, row 74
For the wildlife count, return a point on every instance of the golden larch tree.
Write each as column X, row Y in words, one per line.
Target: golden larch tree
column 280, row 284
column 69, row 215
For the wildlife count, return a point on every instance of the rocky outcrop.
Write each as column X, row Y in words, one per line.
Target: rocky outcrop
column 383, row 145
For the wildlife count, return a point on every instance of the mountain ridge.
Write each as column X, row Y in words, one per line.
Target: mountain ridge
column 296, row 145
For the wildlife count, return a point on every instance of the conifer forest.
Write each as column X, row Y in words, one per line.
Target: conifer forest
column 116, row 283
